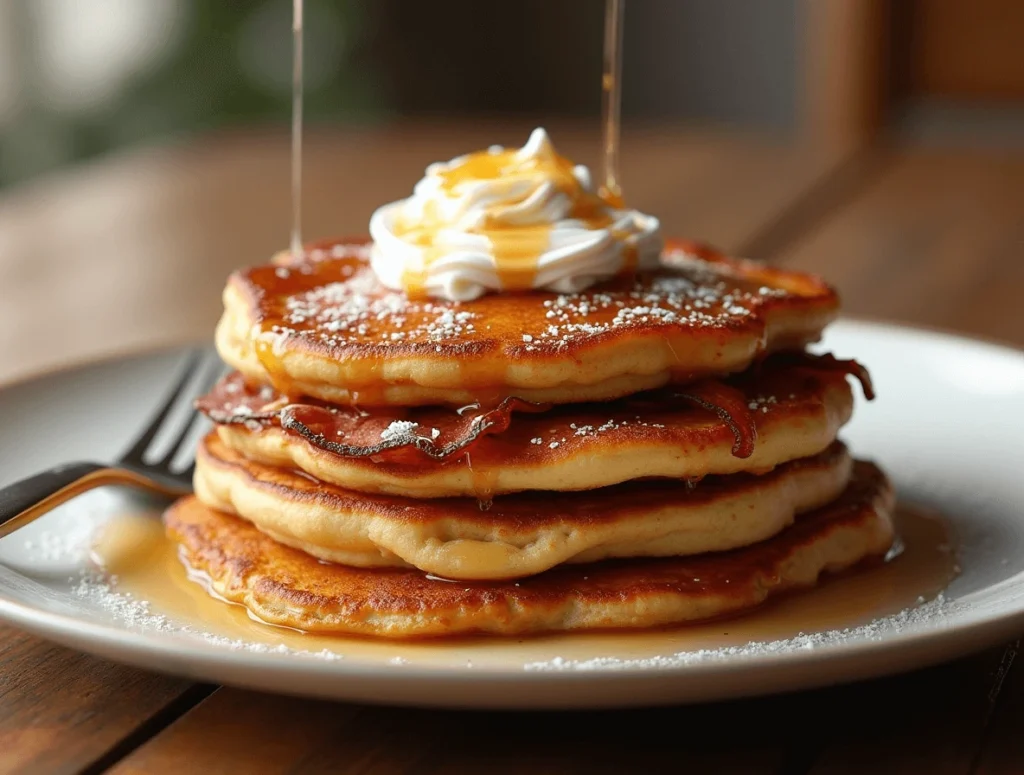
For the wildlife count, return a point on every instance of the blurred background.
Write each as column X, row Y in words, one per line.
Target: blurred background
column 80, row 78
column 144, row 149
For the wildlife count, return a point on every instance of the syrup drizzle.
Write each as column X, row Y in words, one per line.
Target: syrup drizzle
column 611, row 103
column 296, row 239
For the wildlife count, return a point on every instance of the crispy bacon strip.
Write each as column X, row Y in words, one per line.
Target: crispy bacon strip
column 437, row 433
column 441, row 434
column 731, row 407
column 313, row 423
column 233, row 401
column 826, row 362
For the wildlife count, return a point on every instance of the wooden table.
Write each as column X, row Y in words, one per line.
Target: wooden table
column 130, row 253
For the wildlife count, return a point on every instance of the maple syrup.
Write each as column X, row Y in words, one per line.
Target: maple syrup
column 266, row 344
column 296, row 240
column 134, row 549
column 483, row 483
column 611, row 102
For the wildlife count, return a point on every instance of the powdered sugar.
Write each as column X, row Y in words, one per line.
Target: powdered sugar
column 67, row 545
column 877, row 630
column 586, row 431
column 97, row 589
column 407, row 432
column 359, row 310
column 702, row 297
column 56, row 546
column 761, row 403
column 403, row 431
column 100, row 591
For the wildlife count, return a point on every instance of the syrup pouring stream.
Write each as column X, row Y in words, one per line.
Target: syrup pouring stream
column 296, row 240
column 611, row 103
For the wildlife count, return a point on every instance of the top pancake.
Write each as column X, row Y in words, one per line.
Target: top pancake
column 324, row 327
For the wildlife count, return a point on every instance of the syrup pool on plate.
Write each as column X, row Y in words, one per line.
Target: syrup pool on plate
column 143, row 565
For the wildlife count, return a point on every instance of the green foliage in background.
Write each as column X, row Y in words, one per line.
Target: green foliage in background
column 225, row 63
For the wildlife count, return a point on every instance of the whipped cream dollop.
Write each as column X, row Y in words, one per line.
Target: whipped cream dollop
column 508, row 220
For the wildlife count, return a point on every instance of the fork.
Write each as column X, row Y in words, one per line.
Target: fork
column 25, row 501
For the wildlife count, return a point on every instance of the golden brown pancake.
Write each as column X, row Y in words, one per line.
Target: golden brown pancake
column 325, row 327
column 517, row 535
column 285, row 586
column 789, row 407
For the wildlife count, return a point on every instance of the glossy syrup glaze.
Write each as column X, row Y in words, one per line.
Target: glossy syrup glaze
column 332, row 306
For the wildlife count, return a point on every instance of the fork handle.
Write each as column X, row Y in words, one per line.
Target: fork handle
column 18, row 498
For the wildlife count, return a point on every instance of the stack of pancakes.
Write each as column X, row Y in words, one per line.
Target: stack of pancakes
column 653, row 450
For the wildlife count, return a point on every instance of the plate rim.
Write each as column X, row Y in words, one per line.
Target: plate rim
column 936, row 637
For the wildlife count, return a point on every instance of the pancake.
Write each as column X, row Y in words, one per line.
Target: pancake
column 325, row 327
column 285, row 586
column 789, row 407
column 517, row 535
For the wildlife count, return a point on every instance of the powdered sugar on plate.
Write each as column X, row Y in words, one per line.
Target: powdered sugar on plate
column 58, row 547
column 100, row 590
column 876, row 630
column 51, row 546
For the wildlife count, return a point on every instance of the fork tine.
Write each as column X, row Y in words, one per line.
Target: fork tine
column 147, row 436
column 211, row 374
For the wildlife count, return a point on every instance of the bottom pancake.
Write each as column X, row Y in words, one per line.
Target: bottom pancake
column 285, row 586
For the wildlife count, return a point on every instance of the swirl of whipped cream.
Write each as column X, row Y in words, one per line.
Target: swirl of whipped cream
column 507, row 220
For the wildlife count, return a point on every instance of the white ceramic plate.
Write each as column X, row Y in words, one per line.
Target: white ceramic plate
column 947, row 425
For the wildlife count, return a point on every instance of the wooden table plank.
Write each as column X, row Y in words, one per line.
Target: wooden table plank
column 61, row 710
column 932, row 721
column 936, row 239
column 131, row 253
column 251, row 734
column 1003, row 753
column 260, row 734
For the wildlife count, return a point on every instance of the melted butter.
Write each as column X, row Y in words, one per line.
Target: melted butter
column 135, row 549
